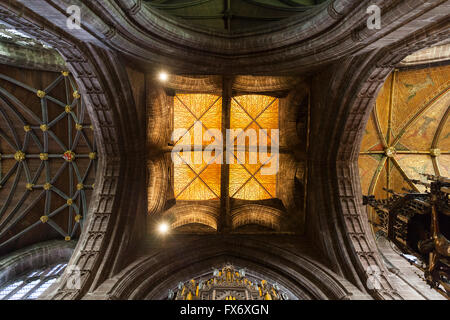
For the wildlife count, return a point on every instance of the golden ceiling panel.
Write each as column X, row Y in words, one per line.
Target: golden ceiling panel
column 197, row 103
column 238, row 176
column 380, row 179
column 269, row 118
column 206, row 109
column 247, row 182
column 408, row 133
column 367, row 166
column 371, row 140
column 414, row 90
column 444, row 166
column 255, row 112
column 444, row 141
column 377, row 185
column 197, row 190
column 422, row 131
column 252, row 190
column 381, row 113
column 196, row 181
column 415, row 164
column 397, row 181
column 183, row 118
column 254, row 104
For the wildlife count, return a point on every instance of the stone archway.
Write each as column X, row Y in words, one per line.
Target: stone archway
column 105, row 88
column 339, row 227
column 151, row 277
column 353, row 87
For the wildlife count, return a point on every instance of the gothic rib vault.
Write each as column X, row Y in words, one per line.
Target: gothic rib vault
column 344, row 65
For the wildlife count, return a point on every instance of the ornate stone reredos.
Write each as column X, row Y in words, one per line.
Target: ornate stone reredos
column 227, row 283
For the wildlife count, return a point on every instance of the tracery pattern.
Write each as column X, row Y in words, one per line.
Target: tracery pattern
column 47, row 158
column 31, row 285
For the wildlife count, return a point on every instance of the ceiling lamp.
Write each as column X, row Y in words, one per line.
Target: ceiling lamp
column 163, row 76
column 163, row 228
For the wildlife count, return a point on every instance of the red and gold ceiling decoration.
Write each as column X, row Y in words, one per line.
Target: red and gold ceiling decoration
column 47, row 157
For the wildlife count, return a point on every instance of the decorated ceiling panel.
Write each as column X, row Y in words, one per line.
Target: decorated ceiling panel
column 190, row 192
column 196, row 181
column 257, row 114
column 47, row 157
column 407, row 134
column 196, row 177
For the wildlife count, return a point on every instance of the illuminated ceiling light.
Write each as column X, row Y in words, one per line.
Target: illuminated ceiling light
column 163, row 228
column 163, row 76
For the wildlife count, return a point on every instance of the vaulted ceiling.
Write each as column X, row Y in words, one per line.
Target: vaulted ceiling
column 232, row 16
column 347, row 64
column 408, row 133
column 47, row 157
column 265, row 194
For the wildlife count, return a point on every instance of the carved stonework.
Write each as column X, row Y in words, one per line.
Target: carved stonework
column 227, row 284
column 342, row 93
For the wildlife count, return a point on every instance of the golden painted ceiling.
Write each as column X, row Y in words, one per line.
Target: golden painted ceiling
column 201, row 181
column 191, row 191
column 258, row 113
column 192, row 180
column 408, row 133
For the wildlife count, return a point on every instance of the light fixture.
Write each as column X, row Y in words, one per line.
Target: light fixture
column 163, row 228
column 163, row 76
